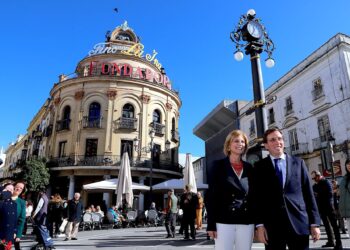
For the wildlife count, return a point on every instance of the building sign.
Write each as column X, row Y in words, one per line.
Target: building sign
column 107, row 48
column 135, row 50
column 126, row 70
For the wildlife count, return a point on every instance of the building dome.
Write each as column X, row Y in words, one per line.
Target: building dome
column 119, row 99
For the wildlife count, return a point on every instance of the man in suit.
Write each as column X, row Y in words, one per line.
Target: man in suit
column 284, row 206
column 324, row 197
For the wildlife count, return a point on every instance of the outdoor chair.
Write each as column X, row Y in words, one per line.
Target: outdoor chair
column 131, row 218
column 87, row 221
column 111, row 222
column 152, row 218
column 96, row 220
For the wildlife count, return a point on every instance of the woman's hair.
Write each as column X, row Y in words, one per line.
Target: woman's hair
column 234, row 134
column 347, row 173
column 24, row 185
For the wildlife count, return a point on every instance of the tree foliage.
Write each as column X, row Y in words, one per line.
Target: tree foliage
column 36, row 175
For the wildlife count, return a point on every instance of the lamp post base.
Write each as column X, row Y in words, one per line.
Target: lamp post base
column 256, row 153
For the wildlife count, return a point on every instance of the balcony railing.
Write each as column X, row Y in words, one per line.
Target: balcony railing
column 48, row 131
column 159, row 128
column 92, row 122
column 288, row 109
column 271, row 119
column 297, row 149
column 114, row 160
column 317, row 94
column 62, row 125
column 175, row 135
column 126, row 123
column 321, row 142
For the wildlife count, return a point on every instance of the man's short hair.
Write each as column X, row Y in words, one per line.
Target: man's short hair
column 316, row 172
column 269, row 131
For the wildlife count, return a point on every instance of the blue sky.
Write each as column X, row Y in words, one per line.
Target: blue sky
column 42, row 39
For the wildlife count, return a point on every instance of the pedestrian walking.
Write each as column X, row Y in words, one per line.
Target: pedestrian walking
column 336, row 197
column 40, row 220
column 74, row 212
column 21, row 211
column 230, row 222
column 284, row 206
column 199, row 211
column 344, row 195
column 188, row 204
column 324, row 196
column 171, row 211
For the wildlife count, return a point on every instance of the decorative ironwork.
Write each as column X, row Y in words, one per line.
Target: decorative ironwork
column 62, row 124
column 159, row 128
column 92, row 122
column 175, row 135
column 239, row 38
column 126, row 123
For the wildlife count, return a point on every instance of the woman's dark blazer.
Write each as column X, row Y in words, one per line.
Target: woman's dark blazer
column 228, row 199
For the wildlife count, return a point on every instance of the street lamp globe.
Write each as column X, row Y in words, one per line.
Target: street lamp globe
column 251, row 12
column 269, row 62
column 238, row 55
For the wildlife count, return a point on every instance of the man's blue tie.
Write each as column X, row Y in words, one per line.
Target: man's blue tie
column 278, row 170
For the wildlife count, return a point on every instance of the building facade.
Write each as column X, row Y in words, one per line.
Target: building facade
column 116, row 97
column 310, row 104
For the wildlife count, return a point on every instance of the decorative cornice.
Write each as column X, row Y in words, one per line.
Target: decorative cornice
column 79, row 95
column 57, row 101
column 145, row 98
column 111, row 94
column 168, row 106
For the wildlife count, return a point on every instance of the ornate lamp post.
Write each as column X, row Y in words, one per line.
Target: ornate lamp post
column 150, row 149
column 251, row 35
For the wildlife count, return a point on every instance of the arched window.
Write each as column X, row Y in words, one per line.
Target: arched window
column 173, row 124
column 65, row 119
column 94, row 111
column 66, row 113
column 156, row 116
column 128, row 111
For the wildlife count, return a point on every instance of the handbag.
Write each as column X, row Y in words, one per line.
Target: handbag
column 63, row 225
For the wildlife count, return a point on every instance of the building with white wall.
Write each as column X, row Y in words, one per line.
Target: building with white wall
column 311, row 104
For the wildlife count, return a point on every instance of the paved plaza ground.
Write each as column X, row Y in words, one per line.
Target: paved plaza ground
column 145, row 238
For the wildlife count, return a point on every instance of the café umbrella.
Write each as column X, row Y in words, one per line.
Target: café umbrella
column 124, row 186
column 189, row 178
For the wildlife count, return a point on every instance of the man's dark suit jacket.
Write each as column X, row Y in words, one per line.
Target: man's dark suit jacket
column 296, row 198
column 227, row 200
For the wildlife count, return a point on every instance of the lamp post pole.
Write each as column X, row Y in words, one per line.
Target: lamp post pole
column 259, row 95
column 150, row 148
column 251, row 35
column 152, row 132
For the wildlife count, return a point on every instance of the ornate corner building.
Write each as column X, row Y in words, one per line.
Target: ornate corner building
column 117, row 95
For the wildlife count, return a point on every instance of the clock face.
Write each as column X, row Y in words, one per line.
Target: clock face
column 255, row 29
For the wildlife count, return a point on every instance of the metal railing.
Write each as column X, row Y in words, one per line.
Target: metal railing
column 113, row 160
column 288, row 109
column 62, row 124
column 321, row 142
column 92, row 122
column 317, row 94
column 159, row 128
column 297, row 149
column 126, row 123
column 175, row 135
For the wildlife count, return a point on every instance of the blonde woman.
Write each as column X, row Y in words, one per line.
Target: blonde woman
column 229, row 220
